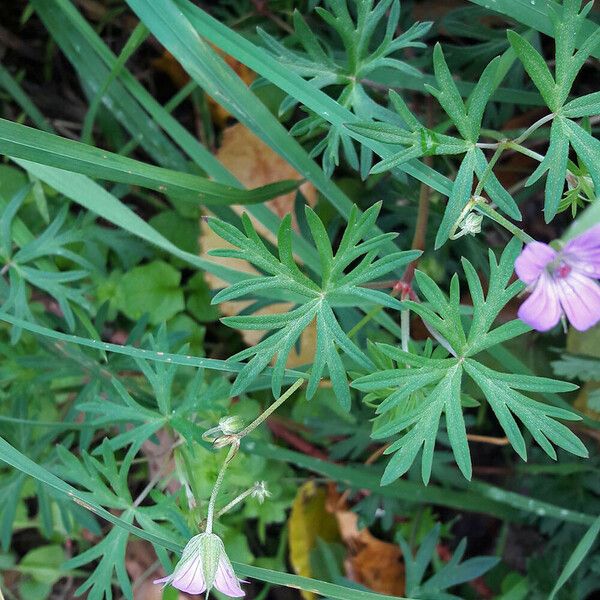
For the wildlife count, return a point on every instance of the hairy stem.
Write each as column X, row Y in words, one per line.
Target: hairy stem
column 215, row 491
column 484, row 208
column 296, row 385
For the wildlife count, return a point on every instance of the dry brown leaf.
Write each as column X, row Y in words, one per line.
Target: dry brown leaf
column 255, row 164
column 371, row 562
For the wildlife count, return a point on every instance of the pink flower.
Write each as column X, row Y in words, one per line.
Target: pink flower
column 562, row 282
column 204, row 565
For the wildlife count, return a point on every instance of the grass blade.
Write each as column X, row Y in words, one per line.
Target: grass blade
column 580, row 552
column 20, row 141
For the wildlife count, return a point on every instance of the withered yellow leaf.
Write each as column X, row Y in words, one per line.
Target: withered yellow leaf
column 308, row 521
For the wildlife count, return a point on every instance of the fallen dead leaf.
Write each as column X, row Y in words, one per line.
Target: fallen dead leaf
column 255, row 164
column 371, row 562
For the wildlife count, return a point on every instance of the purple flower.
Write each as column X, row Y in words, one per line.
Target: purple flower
column 204, row 565
column 562, row 282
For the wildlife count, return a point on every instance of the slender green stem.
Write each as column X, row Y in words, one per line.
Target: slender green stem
column 235, row 501
column 372, row 313
column 488, row 211
column 499, row 150
column 405, row 329
column 533, row 127
column 526, row 151
column 519, row 139
column 296, row 385
column 235, row 444
column 215, row 491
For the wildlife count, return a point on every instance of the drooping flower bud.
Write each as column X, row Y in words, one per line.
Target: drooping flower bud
column 204, row 564
column 231, row 425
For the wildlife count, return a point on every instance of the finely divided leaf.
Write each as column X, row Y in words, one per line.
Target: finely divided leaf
column 282, row 279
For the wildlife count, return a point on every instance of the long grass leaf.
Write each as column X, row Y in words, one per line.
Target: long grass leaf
column 20, row 141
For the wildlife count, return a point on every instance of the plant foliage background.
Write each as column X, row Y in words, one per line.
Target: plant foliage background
column 203, row 203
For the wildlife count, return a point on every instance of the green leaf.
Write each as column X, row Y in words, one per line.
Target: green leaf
column 480, row 96
column 566, row 24
column 555, row 163
column 19, row 141
column 537, row 16
column 536, row 67
column 462, row 188
column 584, row 106
column 449, row 575
column 44, row 563
column 180, row 231
column 340, row 286
column 580, row 552
column 341, row 73
column 500, row 392
column 448, row 95
column 443, row 398
column 151, row 289
column 110, row 552
column 494, row 188
column 199, row 298
column 577, row 367
column 587, row 148
column 420, row 388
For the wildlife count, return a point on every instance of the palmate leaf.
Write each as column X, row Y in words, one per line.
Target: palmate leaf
column 324, row 67
column 416, row 141
column 440, row 380
column 567, row 22
column 342, row 273
column 107, row 483
column 453, row 573
column 29, row 263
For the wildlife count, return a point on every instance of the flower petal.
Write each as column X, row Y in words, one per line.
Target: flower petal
column 189, row 577
column 542, row 309
column 226, row 580
column 532, row 262
column 583, row 252
column 164, row 580
column 589, row 239
column 580, row 298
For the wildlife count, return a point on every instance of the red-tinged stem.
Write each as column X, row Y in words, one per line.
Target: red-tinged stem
column 280, row 431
